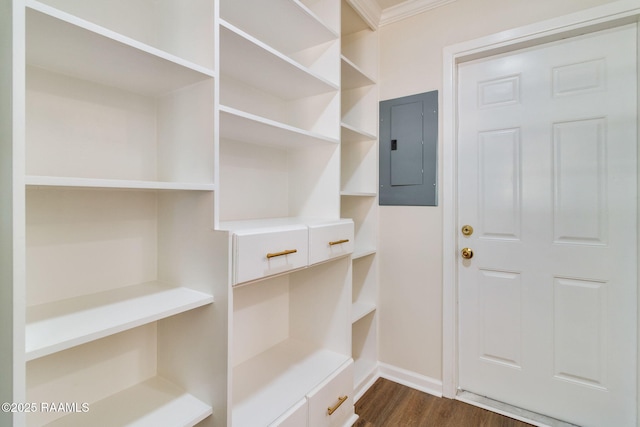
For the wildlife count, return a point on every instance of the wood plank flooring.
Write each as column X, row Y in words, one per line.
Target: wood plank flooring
column 388, row 404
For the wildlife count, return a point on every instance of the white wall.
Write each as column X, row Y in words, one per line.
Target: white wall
column 411, row 237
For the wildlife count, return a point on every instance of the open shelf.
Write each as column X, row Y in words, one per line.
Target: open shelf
column 358, row 194
column 364, row 348
column 363, row 252
column 59, row 325
column 69, row 45
column 359, row 107
column 279, row 109
column 359, row 182
column 57, row 181
column 353, row 76
column 359, row 169
column 155, row 402
column 84, row 133
column 364, row 292
column 241, row 54
column 259, row 181
column 351, row 133
column 241, row 126
column 360, row 310
column 291, row 332
column 117, row 166
column 298, row 26
column 359, row 43
column 166, row 25
column 270, row 383
column 294, row 29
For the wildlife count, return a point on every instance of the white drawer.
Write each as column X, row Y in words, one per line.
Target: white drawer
column 296, row 416
column 330, row 240
column 335, row 393
column 265, row 253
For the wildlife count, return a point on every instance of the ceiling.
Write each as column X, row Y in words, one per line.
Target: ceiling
column 381, row 12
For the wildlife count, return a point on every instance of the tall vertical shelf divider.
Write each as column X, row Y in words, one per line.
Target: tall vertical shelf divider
column 359, row 177
column 116, row 241
column 279, row 214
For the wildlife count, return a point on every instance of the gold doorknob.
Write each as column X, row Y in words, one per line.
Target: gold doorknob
column 466, row 253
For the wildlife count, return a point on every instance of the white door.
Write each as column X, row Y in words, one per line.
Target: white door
column 547, row 179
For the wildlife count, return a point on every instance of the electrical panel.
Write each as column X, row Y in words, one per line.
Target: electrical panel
column 409, row 150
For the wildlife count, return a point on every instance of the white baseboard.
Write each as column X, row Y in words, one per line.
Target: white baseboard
column 411, row 379
column 401, row 376
column 365, row 384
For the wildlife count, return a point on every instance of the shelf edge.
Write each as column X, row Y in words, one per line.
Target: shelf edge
column 166, row 403
column 361, row 310
column 276, row 125
column 59, row 315
column 76, row 182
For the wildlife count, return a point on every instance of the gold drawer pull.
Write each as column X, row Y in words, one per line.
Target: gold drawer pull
column 341, row 400
column 285, row 252
column 337, row 242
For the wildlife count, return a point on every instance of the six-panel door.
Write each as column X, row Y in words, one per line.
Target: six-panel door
column 547, row 179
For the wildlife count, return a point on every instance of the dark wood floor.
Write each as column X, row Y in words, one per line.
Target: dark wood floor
column 390, row 404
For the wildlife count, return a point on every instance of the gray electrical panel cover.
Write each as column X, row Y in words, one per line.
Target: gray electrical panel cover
column 409, row 150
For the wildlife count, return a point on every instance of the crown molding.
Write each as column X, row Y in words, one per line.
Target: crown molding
column 375, row 16
column 369, row 10
column 409, row 8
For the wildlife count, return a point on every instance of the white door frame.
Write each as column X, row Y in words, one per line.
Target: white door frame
column 609, row 15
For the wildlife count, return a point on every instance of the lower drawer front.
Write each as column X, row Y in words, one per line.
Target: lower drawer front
column 294, row 417
column 264, row 254
column 331, row 403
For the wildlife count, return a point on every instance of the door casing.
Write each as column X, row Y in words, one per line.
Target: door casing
column 607, row 16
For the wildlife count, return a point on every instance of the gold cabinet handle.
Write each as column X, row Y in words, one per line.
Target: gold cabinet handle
column 285, row 252
column 341, row 400
column 337, row 242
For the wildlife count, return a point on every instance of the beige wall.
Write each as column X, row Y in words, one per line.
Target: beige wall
column 411, row 237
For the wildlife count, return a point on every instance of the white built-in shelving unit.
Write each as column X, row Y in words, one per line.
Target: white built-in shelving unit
column 113, row 241
column 359, row 178
column 188, row 203
column 279, row 110
column 279, row 209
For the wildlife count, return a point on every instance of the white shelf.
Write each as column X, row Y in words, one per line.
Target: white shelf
column 361, row 253
column 266, row 224
column 353, row 134
column 267, row 385
column 298, row 27
column 241, row 126
column 358, row 194
column 73, row 182
column 256, row 226
column 155, row 402
column 353, row 76
column 71, row 46
column 241, row 55
column 360, row 310
column 60, row 325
